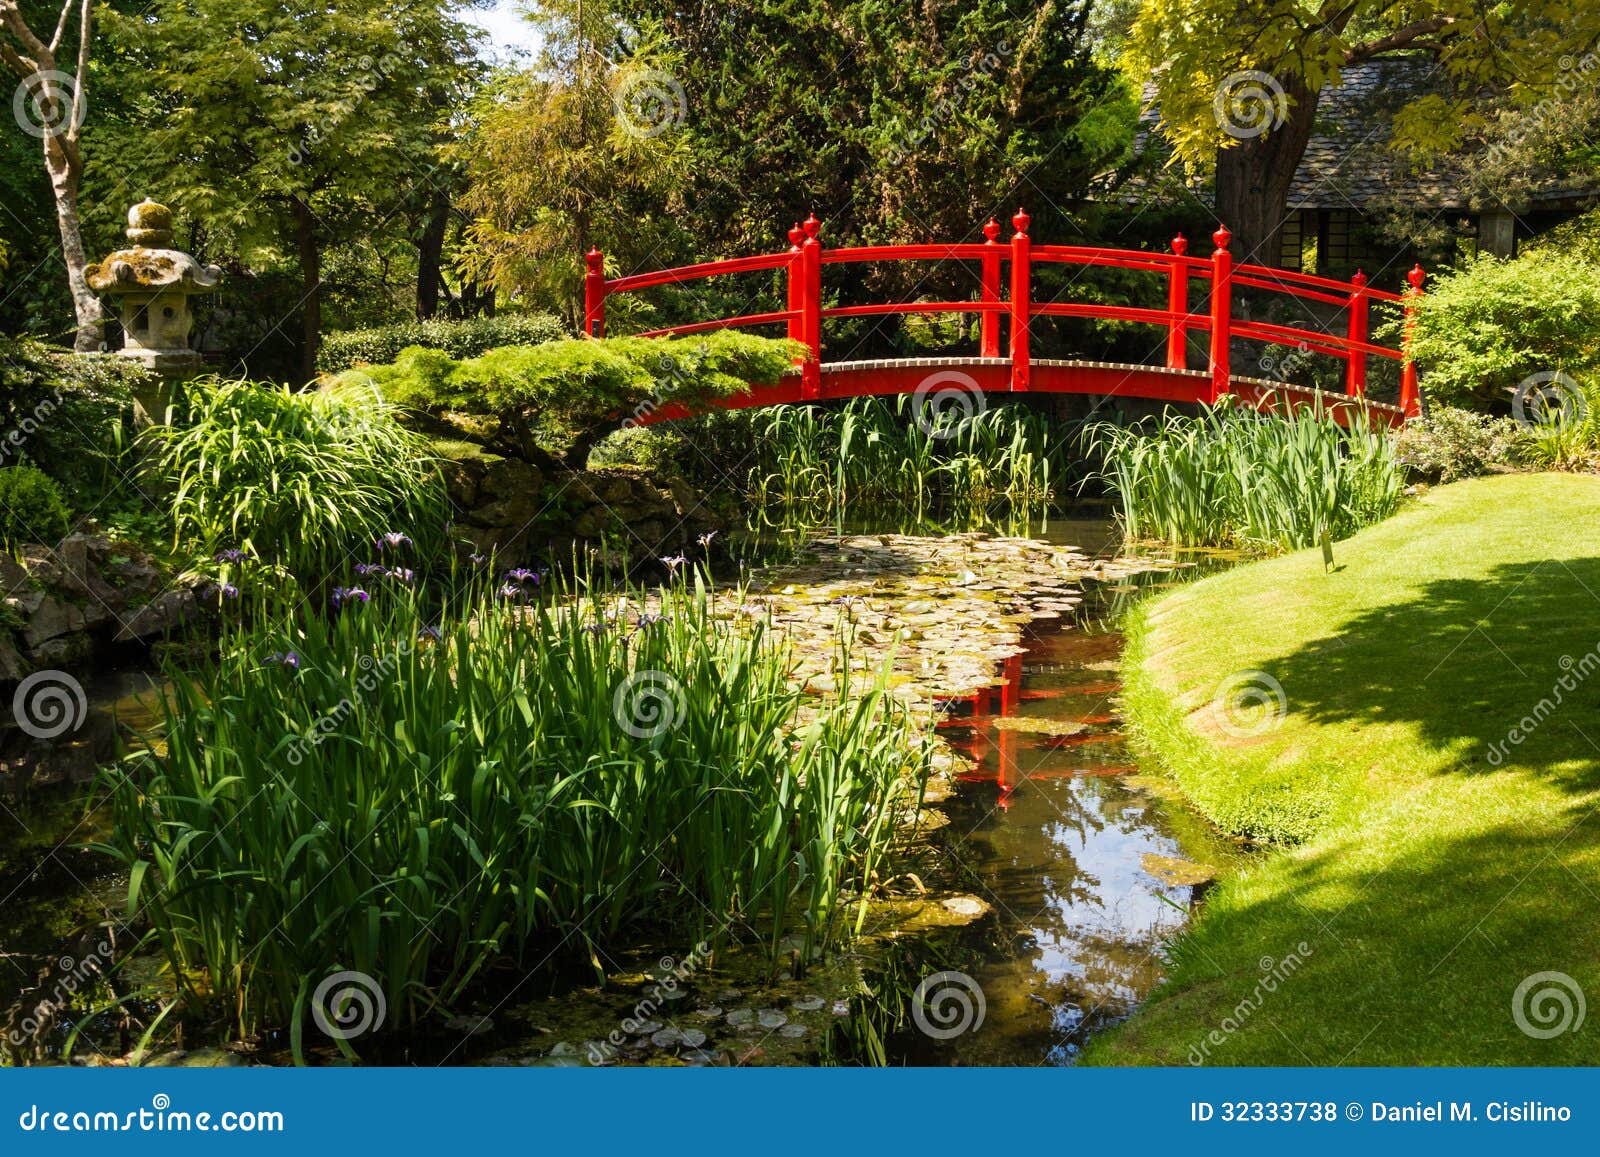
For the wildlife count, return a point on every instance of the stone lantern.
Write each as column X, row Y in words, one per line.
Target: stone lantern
column 153, row 285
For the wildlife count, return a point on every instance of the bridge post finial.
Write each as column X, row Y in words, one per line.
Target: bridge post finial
column 1359, row 280
column 796, row 235
column 1416, row 277
column 991, row 230
column 1178, row 307
column 812, row 226
column 1222, row 237
column 1180, row 245
column 1020, row 220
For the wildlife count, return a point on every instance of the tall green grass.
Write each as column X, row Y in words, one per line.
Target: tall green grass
column 1233, row 477
column 419, row 796
column 300, row 479
column 907, row 457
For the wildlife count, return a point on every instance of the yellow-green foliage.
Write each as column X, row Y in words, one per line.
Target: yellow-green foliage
column 566, row 393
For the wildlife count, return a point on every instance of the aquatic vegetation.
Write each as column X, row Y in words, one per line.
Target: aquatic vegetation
column 906, row 456
column 416, row 796
column 1232, row 477
column 302, row 480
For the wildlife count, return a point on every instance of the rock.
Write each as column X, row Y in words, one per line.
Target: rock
column 159, row 616
column 469, row 1025
column 11, row 665
column 969, row 906
column 52, row 618
column 65, row 651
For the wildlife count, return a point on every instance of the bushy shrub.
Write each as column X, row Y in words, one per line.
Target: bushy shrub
column 31, row 508
column 1485, row 329
column 298, row 479
column 459, row 339
column 1451, row 443
column 555, row 401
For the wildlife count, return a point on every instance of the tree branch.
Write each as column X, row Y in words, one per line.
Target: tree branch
column 61, row 25
column 1407, row 37
column 12, row 16
column 80, row 87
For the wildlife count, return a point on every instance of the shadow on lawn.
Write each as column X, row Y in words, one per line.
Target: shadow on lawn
column 1468, row 660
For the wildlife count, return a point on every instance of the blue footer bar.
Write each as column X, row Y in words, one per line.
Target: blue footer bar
column 939, row 1110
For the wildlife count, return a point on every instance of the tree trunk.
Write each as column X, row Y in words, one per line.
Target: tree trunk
column 429, row 250
column 85, row 305
column 1253, row 179
column 305, row 228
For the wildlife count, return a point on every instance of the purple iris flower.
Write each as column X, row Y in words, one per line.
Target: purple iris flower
column 403, row 574
column 366, row 568
column 230, row 556
column 394, row 540
column 477, row 559
column 227, row 590
column 522, row 574
column 342, row 595
column 431, row 634
column 705, row 539
column 285, row 659
column 673, row 562
column 510, row 591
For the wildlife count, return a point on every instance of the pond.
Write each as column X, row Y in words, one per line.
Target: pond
column 1031, row 912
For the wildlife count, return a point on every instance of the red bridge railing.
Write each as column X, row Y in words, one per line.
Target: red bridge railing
column 1011, row 298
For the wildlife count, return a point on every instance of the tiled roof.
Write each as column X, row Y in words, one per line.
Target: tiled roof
column 1349, row 163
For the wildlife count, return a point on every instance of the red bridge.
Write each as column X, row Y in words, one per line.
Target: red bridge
column 1012, row 368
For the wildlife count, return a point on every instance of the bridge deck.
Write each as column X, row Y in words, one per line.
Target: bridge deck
column 944, row 375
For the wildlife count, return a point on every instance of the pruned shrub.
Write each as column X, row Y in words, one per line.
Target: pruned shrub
column 553, row 402
column 458, row 339
column 31, row 508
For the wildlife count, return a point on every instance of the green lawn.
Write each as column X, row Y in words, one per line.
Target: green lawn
column 1426, row 879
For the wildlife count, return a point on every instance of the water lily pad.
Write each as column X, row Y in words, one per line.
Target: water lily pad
column 742, row 1017
column 772, row 1018
column 1175, row 872
column 793, row 1031
column 807, row 1004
